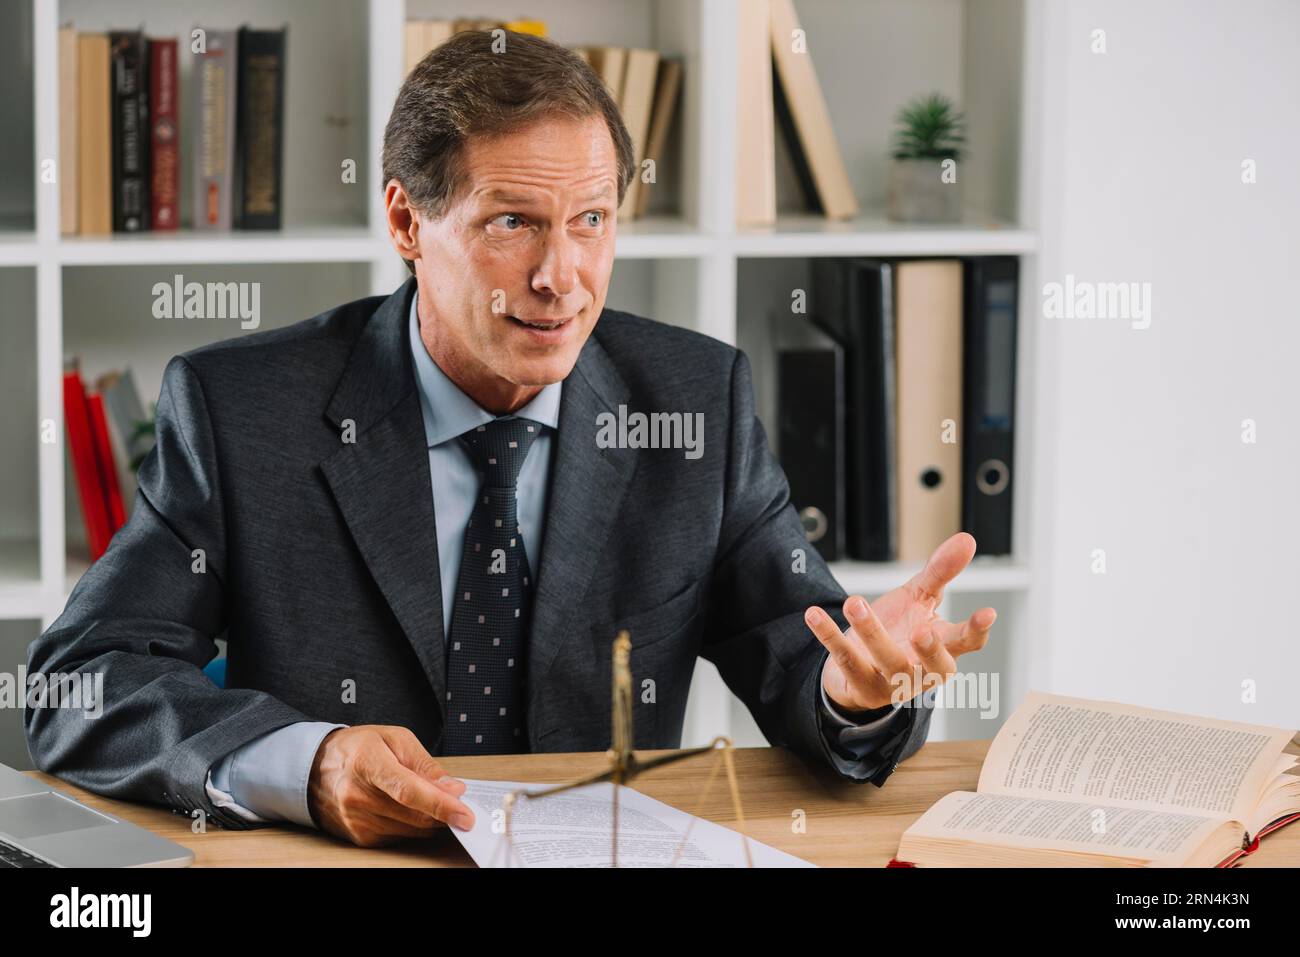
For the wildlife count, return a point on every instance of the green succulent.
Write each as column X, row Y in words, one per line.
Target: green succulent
column 930, row 127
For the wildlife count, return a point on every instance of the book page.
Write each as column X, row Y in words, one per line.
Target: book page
column 1138, row 757
column 573, row 829
column 1163, row 837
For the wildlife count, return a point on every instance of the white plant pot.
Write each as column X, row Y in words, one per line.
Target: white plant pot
column 918, row 193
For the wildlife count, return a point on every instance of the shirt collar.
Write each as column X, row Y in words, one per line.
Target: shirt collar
column 449, row 412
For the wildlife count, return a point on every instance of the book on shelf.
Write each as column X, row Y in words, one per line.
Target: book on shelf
column 87, row 468
column 120, row 127
column 755, row 118
column 94, row 188
column 929, row 368
column 1071, row 782
column 105, row 462
column 130, row 429
column 644, row 85
column 213, row 157
column 164, row 134
column 635, row 102
column 69, row 202
column 259, row 146
column 130, row 132
column 804, row 119
column 668, row 86
column 610, row 64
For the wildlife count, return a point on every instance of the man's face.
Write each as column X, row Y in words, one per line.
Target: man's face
column 529, row 239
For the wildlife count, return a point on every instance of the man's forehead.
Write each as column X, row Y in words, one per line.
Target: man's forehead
column 538, row 160
column 602, row 187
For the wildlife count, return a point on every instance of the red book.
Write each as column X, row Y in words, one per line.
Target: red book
column 94, row 506
column 164, row 134
column 104, row 461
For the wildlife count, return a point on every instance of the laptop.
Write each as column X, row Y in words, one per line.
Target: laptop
column 41, row 827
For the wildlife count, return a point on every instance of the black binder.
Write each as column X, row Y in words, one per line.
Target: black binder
column 991, row 293
column 810, row 396
column 853, row 301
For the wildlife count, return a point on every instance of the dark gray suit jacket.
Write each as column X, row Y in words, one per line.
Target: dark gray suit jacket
column 321, row 562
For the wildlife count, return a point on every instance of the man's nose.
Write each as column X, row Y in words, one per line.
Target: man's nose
column 557, row 274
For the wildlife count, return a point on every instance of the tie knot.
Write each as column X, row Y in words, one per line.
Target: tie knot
column 499, row 448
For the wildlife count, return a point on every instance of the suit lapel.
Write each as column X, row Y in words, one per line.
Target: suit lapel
column 381, row 481
column 587, row 488
column 382, row 486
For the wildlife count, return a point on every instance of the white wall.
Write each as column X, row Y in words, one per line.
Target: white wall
column 1201, row 532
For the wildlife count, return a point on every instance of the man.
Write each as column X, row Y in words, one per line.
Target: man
column 404, row 518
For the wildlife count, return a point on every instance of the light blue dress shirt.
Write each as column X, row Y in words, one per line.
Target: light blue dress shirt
column 266, row 779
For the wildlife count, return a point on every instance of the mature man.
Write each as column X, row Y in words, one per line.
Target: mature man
column 415, row 544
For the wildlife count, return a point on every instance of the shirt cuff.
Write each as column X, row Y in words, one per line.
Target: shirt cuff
column 266, row 779
column 837, row 717
column 223, row 799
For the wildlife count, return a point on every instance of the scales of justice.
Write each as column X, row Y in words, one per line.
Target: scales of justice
column 624, row 765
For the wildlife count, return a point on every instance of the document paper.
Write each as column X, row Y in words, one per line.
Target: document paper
column 573, row 829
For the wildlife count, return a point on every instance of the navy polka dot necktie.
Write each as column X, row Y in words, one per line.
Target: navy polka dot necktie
column 486, row 690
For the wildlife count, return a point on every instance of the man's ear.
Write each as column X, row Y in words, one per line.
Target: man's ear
column 403, row 221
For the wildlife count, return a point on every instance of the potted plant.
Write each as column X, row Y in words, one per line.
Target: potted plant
column 923, row 188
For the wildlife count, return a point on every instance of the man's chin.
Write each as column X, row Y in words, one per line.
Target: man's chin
column 534, row 372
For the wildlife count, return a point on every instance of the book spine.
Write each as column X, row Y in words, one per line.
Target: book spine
column 68, row 201
column 94, row 507
column 94, row 136
column 106, row 467
column 122, row 401
column 260, row 137
column 130, row 176
column 214, row 72
column 164, row 139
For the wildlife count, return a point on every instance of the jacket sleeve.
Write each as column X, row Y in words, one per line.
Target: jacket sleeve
column 144, row 617
column 765, row 576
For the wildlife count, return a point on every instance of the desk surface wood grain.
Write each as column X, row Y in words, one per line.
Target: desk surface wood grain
column 846, row 825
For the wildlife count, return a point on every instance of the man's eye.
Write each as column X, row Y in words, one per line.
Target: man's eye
column 595, row 212
column 514, row 216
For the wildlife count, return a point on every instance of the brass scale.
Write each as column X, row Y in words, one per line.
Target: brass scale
column 624, row 765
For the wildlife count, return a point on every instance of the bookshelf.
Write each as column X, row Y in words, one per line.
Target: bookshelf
column 686, row 263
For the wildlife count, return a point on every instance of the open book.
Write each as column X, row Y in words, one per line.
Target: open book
column 1070, row 782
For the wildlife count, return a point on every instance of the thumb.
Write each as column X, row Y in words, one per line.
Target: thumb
column 406, row 747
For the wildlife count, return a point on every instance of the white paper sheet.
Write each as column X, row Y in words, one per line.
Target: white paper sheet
column 572, row 829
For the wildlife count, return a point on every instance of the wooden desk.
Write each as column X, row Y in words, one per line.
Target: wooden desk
column 847, row 825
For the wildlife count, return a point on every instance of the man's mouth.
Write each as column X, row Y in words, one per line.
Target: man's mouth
column 543, row 325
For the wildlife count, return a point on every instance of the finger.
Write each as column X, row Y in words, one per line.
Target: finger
column 889, row 658
column 408, row 749
column 849, row 655
column 945, row 563
column 415, row 796
column 450, row 785
column 416, row 799
column 375, row 823
column 938, row 663
column 970, row 635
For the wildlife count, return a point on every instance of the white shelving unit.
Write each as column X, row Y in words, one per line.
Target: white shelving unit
column 683, row 264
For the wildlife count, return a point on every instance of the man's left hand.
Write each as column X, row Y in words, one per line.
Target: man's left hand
column 899, row 648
